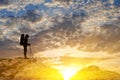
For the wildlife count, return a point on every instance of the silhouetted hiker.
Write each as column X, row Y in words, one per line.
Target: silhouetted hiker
column 24, row 42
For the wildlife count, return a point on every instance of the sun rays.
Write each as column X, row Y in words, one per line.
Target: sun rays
column 68, row 71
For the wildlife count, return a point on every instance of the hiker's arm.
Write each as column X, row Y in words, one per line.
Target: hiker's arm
column 28, row 44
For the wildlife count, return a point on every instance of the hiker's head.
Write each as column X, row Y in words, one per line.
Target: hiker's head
column 22, row 34
column 27, row 36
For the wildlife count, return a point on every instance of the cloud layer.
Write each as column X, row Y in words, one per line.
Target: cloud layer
column 91, row 25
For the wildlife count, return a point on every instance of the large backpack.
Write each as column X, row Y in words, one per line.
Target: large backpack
column 22, row 39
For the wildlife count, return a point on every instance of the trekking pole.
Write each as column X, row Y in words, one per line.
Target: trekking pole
column 31, row 54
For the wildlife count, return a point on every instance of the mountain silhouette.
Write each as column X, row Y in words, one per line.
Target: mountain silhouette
column 27, row 69
column 95, row 73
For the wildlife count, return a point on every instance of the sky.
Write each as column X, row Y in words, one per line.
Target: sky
column 86, row 29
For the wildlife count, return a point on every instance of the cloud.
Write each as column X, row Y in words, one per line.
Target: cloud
column 101, row 38
column 106, row 63
column 81, row 61
column 91, row 27
column 105, row 39
column 116, row 3
column 4, row 2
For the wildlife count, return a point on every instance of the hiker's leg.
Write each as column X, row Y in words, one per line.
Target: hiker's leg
column 25, row 51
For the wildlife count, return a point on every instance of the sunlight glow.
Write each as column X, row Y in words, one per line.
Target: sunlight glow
column 68, row 72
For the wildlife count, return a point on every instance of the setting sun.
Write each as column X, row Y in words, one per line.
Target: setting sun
column 68, row 72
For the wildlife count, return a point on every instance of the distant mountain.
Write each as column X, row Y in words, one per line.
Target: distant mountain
column 95, row 73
